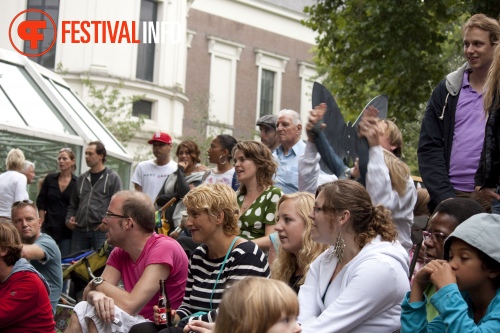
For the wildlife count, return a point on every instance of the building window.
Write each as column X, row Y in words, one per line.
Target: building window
column 142, row 108
column 307, row 74
column 146, row 51
column 51, row 7
column 224, row 56
column 266, row 92
column 271, row 68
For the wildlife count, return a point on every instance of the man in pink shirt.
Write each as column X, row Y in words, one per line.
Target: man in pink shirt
column 140, row 259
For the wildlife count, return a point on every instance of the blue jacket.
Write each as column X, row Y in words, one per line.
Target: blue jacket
column 455, row 313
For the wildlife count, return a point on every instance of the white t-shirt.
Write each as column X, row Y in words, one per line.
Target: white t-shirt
column 224, row 178
column 12, row 189
column 151, row 176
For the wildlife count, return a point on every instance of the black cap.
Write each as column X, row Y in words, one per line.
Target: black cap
column 268, row 120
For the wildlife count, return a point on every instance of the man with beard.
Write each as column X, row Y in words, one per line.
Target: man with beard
column 140, row 259
column 267, row 128
column 90, row 199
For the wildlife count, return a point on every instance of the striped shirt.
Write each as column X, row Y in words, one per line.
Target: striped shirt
column 246, row 259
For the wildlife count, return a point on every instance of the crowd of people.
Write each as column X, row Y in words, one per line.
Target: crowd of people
column 268, row 240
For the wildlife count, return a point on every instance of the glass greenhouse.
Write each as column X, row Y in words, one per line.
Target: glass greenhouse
column 40, row 114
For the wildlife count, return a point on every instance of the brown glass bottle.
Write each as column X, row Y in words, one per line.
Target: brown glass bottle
column 164, row 307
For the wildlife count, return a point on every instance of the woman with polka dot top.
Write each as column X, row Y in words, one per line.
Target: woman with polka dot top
column 257, row 197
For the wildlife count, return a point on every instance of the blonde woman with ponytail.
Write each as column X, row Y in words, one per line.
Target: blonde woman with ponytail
column 296, row 250
column 357, row 285
column 388, row 178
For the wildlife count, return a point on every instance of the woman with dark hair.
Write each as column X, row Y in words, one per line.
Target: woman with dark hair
column 25, row 305
column 219, row 153
column 357, row 285
column 53, row 200
column 257, row 197
column 187, row 176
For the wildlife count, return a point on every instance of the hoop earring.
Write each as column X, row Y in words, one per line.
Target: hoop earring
column 339, row 246
column 224, row 161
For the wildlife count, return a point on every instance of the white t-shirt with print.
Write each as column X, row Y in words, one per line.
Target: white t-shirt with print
column 224, row 178
column 151, row 176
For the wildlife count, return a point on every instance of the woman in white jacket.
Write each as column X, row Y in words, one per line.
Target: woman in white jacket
column 358, row 284
column 388, row 178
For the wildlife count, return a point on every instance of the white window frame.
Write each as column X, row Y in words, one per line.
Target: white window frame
column 307, row 75
column 222, row 48
column 275, row 63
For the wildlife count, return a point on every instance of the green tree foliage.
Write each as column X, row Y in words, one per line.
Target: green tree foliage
column 114, row 110
column 205, row 125
column 400, row 48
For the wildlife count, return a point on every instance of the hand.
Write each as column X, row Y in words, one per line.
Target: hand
column 183, row 164
column 371, row 111
column 368, row 128
column 423, row 276
column 443, row 274
column 174, row 234
column 104, row 305
column 355, row 174
column 487, row 193
column 156, row 315
column 71, row 223
column 315, row 116
column 199, row 327
column 101, row 227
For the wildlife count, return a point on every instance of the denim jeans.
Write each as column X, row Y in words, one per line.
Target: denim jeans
column 83, row 240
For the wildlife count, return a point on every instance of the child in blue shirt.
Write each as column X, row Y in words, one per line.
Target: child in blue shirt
column 467, row 282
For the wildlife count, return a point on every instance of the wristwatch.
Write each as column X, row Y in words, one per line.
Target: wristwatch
column 97, row 281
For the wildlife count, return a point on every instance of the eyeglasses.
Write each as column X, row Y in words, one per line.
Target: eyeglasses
column 435, row 237
column 66, row 149
column 27, row 202
column 109, row 214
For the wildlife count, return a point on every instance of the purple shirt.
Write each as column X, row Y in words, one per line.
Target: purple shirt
column 468, row 137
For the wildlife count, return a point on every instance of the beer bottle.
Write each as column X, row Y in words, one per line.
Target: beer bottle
column 162, row 305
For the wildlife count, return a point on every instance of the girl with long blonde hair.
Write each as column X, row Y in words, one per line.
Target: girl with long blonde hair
column 296, row 250
column 388, row 179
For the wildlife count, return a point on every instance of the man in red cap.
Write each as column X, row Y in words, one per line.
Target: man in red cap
column 150, row 175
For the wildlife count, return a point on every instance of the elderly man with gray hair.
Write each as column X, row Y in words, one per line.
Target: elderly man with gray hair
column 288, row 129
column 29, row 171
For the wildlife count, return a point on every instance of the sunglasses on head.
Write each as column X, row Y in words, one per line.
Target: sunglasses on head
column 28, row 202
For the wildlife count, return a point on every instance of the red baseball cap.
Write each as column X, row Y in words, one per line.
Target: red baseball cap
column 161, row 137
